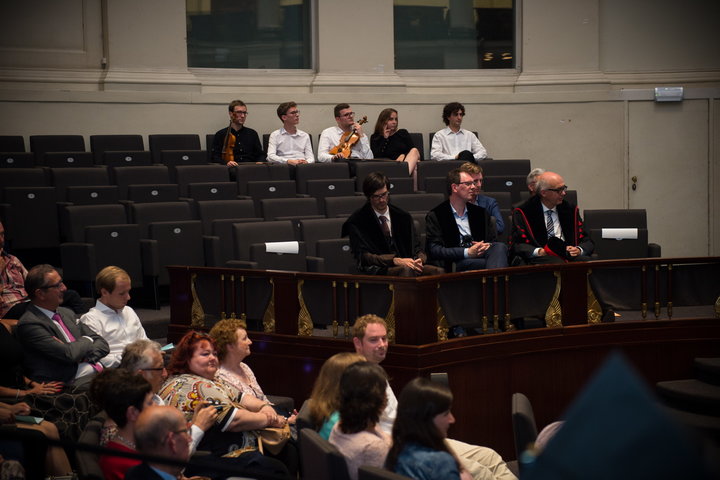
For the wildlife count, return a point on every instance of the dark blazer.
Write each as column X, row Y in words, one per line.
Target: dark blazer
column 142, row 472
column 529, row 230
column 247, row 146
column 442, row 240
column 48, row 357
column 369, row 246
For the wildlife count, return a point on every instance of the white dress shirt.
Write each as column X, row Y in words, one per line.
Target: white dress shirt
column 118, row 328
column 447, row 144
column 284, row 146
column 331, row 137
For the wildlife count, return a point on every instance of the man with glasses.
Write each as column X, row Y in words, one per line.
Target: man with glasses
column 546, row 229
column 460, row 232
column 289, row 144
column 111, row 316
column 334, row 136
column 55, row 346
column 237, row 143
column 383, row 238
column 488, row 203
column 454, row 142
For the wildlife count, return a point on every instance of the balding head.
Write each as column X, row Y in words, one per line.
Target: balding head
column 551, row 188
column 162, row 430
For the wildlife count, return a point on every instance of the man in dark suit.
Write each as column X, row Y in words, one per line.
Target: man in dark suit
column 160, row 431
column 460, row 231
column 383, row 237
column 546, row 229
column 56, row 347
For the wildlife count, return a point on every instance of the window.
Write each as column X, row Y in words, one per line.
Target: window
column 454, row 34
column 263, row 34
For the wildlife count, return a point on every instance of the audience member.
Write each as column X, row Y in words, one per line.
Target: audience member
column 144, row 358
column 362, row 399
column 160, row 431
column 289, row 144
column 418, row 448
column 192, row 369
column 389, row 142
column 488, row 203
column 459, row 231
column 57, row 348
column 334, row 136
column 531, row 179
column 548, row 230
column 383, row 238
column 13, row 297
column 122, row 395
column 324, row 402
column 454, row 142
column 111, row 317
column 370, row 341
column 237, row 143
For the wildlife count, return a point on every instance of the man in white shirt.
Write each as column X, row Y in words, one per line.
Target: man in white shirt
column 370, row 340
column 333, row 136
column 289, row 144
column 454, row 142
column 111, row 318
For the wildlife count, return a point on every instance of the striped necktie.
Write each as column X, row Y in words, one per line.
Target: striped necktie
column 550, row 224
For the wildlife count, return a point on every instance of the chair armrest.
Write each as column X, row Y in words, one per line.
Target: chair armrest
column 211, row 244
column 654, row 250
column 150, row 257
column 315, row 264
column 242, row 264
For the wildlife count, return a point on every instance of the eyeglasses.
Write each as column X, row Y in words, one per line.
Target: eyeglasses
column 380, row 196
column 57, row 285
column 240, row 112
column 348, row 114
column 559, row 189
column 469, row 183
column 184, row 430
column 294, row 112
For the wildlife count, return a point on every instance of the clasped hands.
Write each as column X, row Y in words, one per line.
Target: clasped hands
column 415, row 264
column 477, row 249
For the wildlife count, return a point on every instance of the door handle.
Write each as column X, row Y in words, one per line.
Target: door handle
column 634, row 182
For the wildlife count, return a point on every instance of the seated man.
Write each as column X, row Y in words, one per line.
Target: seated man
column 454, row 142
column 333, row 136
column 56, row 347
column 383, row 237
column 488, row 203
column 459, row 231
column 548, row 230
column 531, row 179
column 237, row 143
column 13, row 298
column 289, row 144
column 111, row 317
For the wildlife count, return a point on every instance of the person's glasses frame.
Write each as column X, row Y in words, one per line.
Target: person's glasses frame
column 56, row 285
column 380, row 196
column 559, row 189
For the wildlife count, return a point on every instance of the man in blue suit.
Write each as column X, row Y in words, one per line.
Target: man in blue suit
column 56, row 347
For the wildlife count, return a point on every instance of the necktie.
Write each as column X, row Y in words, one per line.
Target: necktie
column 384, row 226
column 71, row 337
column 550, row 224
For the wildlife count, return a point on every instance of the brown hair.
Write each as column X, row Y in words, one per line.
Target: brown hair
column 362, row 322
column 284, row 107
column 224, row 333
column 382, row 119
column 325, row 396
column 235, row 103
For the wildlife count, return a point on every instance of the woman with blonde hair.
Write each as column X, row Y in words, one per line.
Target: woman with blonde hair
column 324, row 401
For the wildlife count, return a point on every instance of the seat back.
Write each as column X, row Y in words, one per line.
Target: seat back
column 390, row 169
column 246, row 234
column 179, row 242
column 417, row 139
column 499, row 168
column 366, row 472
column 312, row 230
column 88, row 462
column 158, row 143
column 152, row 175
column 292, row 262
column 184, row 157
column 41, row 144
column 259, row 190
column 145, row 214
column 320, row 459
column 343, row 206
column 434, row 169
column 303, row 419
column 127, row 158
column 62, row 178
column 74, row 219
column 92, row 195
column 319, row 171
column 523, row 420
column 12, row 143
column 211, row 210
column 17, row 160
column 188, row 174
column 153, row 193
column 515, row 184
column 23, row 177
column 274, row 208
column 610, row 245
column 504, row 199
column 67, row 159
column 337, row 255
column 31, row 217
column 250, row 172
column 417, row 202
column 99, row 144
column 319, row 189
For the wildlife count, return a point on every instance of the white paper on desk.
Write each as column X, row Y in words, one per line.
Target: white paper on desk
column 620, row 233
column 282, row 247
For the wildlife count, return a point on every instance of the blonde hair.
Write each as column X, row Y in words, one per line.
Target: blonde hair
column 108, row 277
column 224, row 333
column 362, row 322
column 325, row 396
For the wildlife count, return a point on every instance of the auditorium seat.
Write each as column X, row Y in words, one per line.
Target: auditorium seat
column 614, row 245
column 176, row 158
column 127, row 159
column 515, row 184
column 168, row 192
column 209, row 140
column 503, row 167
column 390, row 169
column 246, row 234
column 68, row 159
column 523, row 421
column 417, row 202
column 343, row 206
column 218, row 217
column 337, row 255
column 435, row 185
column 145, row 214
column 320, row 459
column 92, row 195
column 128, row 145
column 250, row 248
column 160, row 142
column 259, row 190
column 12, row 143
column 417, row 139
column 249, row 172
column 212, row 191
column 64, row 144
column 23, row 177
column 125, row 176
column 319, row 171
column 434, row 169
column 30, row 217
column 186, row 175
column 289, row 208
column 401, row 185
column 320, row 189
column 16, row 159
column 313, row 230
column 62, row 178
column 74, row 219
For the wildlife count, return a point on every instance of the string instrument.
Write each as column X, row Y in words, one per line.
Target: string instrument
column 229, row 145
column 347, row 142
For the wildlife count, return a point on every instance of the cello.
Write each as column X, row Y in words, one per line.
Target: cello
column 347, row 142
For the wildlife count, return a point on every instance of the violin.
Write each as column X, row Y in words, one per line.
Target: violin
column 227, row 154
column 347, row 142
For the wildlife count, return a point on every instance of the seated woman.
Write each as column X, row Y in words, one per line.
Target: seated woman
column 389, row 142
column 192, row 370
column 233, row 346
column 122, row 395
column 418, row 448
column 324, row 400
column 362, row 400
